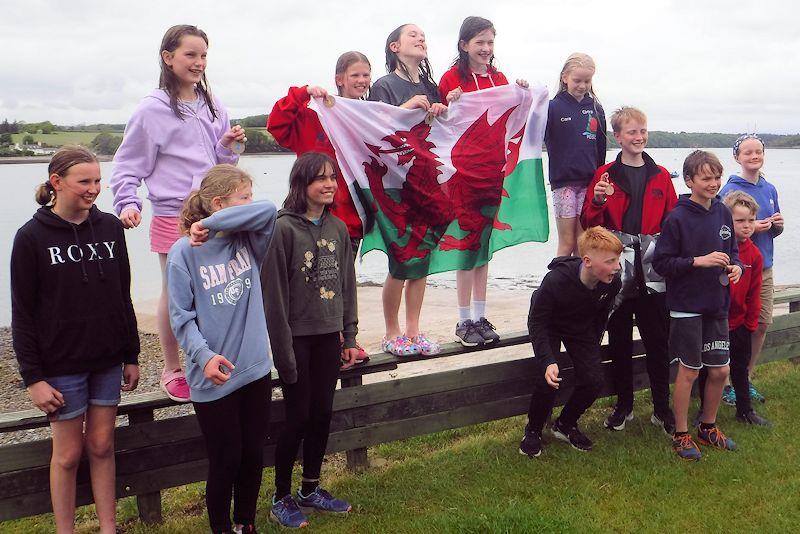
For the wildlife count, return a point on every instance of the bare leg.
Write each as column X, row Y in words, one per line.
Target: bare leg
column 100, row 449
column 479, row 281
column 67, row 447
column 169, row 345
column 392, row 295
column 567, row 236
column 717, row 376
column 681, row 397
column 756, row 344
column 415, row 293
column 464, row 282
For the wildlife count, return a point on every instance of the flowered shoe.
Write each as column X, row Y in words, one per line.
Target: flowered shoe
column 426, row 346
column 321, row 500
column 399, row 346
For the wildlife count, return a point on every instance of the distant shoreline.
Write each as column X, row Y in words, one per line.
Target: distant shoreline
column 12, row 160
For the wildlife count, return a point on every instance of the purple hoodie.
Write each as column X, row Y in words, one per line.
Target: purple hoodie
column 171, row 155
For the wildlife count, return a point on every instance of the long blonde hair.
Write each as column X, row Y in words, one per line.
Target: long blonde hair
column 220, row 181
column 62, row 161
column 574, row 61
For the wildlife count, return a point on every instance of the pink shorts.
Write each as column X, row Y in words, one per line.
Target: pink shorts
column 163, row 233
column 568, row 201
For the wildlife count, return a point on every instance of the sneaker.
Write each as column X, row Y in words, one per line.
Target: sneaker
column 665, row 420
column 714, row 437
column 752, row 418
column 245, row 529
column 729, row 396
column 486, row 329
column 573, row 436
column 173, row 383
column 685, row 447
column 362, row 355
column 618, row 418
column 286, row 513
column 698, row 417
column 399, row 346
column 531, row 444
column 467, row 334
column 755, row 395
column 321, row 500
column 427, row 347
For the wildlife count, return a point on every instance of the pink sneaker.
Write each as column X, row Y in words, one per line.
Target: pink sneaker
column 173, row 383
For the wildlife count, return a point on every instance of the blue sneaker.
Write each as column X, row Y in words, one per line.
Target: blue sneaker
column 685, row 447
column 713, row 436
column 321, row 500
column 729, row 396
column 755, row 396
column 286, row 513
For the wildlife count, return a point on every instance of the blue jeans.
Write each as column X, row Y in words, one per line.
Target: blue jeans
column 99, row 388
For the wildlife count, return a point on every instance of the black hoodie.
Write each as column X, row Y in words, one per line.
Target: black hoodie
column 564, row 308
column 71, row 308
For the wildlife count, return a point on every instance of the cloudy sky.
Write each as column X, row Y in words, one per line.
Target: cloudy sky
column 691, row 66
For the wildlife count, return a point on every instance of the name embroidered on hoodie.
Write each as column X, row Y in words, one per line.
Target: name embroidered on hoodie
column 75, row 253
column 230, row 274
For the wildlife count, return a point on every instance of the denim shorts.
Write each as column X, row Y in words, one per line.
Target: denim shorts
column 98, row 388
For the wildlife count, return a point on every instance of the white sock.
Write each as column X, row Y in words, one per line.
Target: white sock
column 464, row 314
column 478, row 310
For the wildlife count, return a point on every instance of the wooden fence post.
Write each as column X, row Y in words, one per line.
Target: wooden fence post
column 356, row 458
column 149, row 504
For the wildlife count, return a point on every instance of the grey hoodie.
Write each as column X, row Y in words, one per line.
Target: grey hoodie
column 309, row 285
column 215, row 302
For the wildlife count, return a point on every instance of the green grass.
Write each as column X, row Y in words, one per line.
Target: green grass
column 474, row 480
column 60, row 138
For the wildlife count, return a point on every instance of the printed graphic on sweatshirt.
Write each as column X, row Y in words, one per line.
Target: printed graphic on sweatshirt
column 75, row 253
column 233, row 275
column 725, row 232
column 591, row 125
column 322, row 268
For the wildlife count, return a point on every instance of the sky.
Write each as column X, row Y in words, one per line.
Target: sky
column 700, row 66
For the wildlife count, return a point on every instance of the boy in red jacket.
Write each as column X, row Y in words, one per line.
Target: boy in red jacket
column 745, row 306
column 631, row 196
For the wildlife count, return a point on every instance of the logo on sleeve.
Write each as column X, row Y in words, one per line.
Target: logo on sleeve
column 725, row 232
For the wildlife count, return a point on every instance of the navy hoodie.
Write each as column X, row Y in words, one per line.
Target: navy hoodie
column 564, row 308
column 575, row 139
column 71, row 308
column 690, row 230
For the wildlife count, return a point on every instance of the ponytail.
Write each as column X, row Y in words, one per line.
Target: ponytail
column 193, row 211
column 221, row 181
column 62, row 161
column 45, row 194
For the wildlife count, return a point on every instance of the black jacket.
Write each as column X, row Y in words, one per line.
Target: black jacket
column 564, row 308
column 71, row 309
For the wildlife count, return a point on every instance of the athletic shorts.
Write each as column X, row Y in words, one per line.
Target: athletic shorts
column 98, row 388
column 767, row 296
column 568, row 201
column 699, row 341
column 163, row 233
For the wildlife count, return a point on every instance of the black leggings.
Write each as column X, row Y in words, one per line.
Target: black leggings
column 309, row 407
column 235, row 429
column 740, row 351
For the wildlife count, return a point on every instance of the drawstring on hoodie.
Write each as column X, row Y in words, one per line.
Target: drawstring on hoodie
column 94, row 240
column 488, row 75
column 78, row 242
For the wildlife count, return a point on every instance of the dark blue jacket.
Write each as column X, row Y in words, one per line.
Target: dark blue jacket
column 690, row 230
column 575, row 139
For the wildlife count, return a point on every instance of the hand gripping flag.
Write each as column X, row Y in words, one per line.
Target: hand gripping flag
column 445, row 192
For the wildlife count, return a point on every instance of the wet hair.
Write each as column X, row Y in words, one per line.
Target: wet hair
column 697, row 161
column 625, row 114
column 345, row 61
column 168, row 81
column 574, row 61
column 742, row 138
column 220, row 181
column 304, row 171
column 471, row 27
column 393, row 62
column 740, row 198
column 598, row 238
column 62, row 161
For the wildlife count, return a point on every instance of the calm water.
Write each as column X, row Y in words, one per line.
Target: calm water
column 518, row 267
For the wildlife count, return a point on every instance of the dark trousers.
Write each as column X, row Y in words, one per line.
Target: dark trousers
column 235, row 429
column 309, row 408
column 740, row 351
column 652, row 319
column 588, row 381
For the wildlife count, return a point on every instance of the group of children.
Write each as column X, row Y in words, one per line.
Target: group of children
column 246, row 286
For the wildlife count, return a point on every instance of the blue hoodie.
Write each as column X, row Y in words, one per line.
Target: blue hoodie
column 215, row 302
column 767, row 197
column 575, row 138
column 690, row 230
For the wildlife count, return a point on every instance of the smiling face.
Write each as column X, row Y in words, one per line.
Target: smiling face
column 632, row 137
column 480, row 50
column 743, row 222
column 355, row 80
column 188, row 61
column 704, row 185
column 751, row 155
column 78, row 188
column 578, row 81
column 321, row 190
column 410, row 46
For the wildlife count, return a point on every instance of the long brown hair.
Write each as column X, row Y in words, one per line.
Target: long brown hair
column 393, row 62
column 221, row 181
column 304, row 171
column 62, row 161
column 471, row 27
column 168, row 81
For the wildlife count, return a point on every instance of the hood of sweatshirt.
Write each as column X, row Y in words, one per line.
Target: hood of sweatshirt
column 568, row 268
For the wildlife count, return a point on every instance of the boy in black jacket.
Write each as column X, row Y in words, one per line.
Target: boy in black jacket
column 698, row 256
column 571, row 306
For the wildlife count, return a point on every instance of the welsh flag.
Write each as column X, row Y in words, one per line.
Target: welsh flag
column 447, row 192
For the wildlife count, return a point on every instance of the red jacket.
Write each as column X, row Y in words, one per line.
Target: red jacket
column 659, row 199
column 452, row 79
column 297, row 128
column 746, row 293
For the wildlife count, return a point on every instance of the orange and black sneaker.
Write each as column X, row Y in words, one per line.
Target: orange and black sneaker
column 685, row 447
column 713, row 436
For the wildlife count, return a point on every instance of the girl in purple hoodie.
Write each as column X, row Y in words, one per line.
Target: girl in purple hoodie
column 175, row 135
